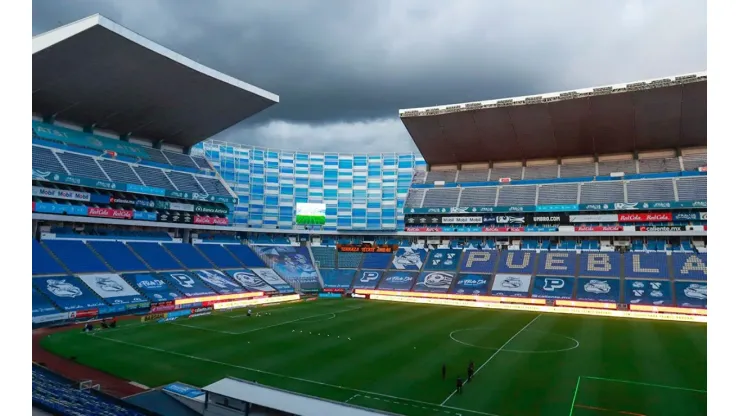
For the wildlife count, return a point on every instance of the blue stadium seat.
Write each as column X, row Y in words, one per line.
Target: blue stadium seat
column 554, row 263
column 646, row 265
column 604, row 264
column 42, row 262
column 188, row 255
column 514, row 261
column 76, row 256
column 155, row 256
column 337, row 279
column 246, row 255
column 376, row 260
column 117, row 255
column 325, row 257
column 349, row 260
column 41, row 305
column 689, row 266
column 220, row 256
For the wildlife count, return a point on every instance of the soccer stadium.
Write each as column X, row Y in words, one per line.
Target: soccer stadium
column 542, row 255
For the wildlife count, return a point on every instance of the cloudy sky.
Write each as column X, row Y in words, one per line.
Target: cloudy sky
column 343, row 68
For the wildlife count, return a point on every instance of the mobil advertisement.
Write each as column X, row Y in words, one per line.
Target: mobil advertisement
column 123, row 214
column 472, row 284
column 644, row 217
column 398, row 280
column 60, row 194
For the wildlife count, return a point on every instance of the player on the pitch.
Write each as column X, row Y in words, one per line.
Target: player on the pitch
column 471, row 371
column 459, row 385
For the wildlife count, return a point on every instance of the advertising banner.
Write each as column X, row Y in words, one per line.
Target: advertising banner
column 329, row 295
column 553, row 287
column 62, row 209
column 174, row 216
column 60, row 194
column 347, row 248
column 664, row 228
column 435, row 282
column 462, row 220
column 619, row 206
column 87, row 140
column 123, row 201
column 690, row 294
column 703, row 216
column 143, row 203
column 219, row 281
column 292, row 263
column 112, row 288
column 152, row 286
column 123, row 214
column 41, row 306
column 471, row 284
column 648, row 292
column 503, row 229
column 539, row 229
column 424, row 229
column 337, row 278
column 184, row 390
column 366, row 279
column 109, row 310
column 67, row 292
column 642, row 217
column 210, row 220
column 686, row 216
column 510, row 219
column 89, row 313
column 548, row 218
column 273, row 279
column 478, row 261
column 251, row 280
column 397, row 280
column 598, row 290
column 409, row 259
column 145, row 216
column 202, row 209
column 589, row 228
column 594, row 218
column 443, row 259
column 177, row 206
column 153, row 317
column 40, row 319
column 514, row 285
column 186, row 284
column 195, row 312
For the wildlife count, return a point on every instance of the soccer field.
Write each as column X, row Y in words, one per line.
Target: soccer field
column 388, row 356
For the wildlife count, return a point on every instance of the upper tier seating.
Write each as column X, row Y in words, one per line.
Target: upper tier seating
column 325, row 257
column 650, row 190
column 517, row 195
column 692, row 189
column 513, row 173
column 118, row 256
column 42, row 262
column 221, row 257
column 76, row 256
column 669, row 164
column 479, row 196
column 349, row 260
column 188, row 256
column 561, row 193
column 213, row 186
column 628, row 167
column 414, row 198
column 441, row 197
column 577, row 170
column 602, row 192
column 119, row 172
column 694, row 162
column 155, row 256
column 472, row 176
column 45, row 160
column 201, row 162
column 541, row 172
column 64, row 398
column 444, row 176
column 179, row 159
column 82, row 166
column 184, row 182
column 154, row 177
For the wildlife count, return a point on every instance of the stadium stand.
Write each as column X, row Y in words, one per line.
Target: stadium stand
column 42, row 262
column 517, row 195
column 376, row 261
column 650, row 190
column 325, row 257
column 69, row 293
column 245, row 255
column 187, row 255
column 349, row 260
column 565, row 193
column 117, row 255
column 442, row 197
column 155, row 256
column 692, row 189
column 76, row 256
column 58, row 395
column 219, row 256
column 338, row 279
column 601, row 192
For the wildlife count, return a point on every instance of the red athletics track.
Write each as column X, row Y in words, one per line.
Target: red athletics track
column 112, row 385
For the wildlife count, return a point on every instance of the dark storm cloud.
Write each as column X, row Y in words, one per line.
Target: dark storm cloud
column 344, row 66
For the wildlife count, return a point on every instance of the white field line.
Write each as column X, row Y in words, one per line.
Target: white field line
column 207, row 360
column 493, row 355
column 263, row 327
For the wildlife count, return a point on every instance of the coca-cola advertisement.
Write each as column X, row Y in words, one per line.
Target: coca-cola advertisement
column 643, row 217
column 503, row 229
column 587, row 228
column 123, row 214
column 210, row 220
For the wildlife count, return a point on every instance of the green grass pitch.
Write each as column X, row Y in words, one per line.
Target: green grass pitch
column 388, row 356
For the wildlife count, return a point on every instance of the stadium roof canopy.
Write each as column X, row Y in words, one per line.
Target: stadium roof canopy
column 94, row 72
column 648, row 115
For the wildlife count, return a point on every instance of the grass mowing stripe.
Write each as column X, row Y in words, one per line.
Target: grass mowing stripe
column 256, row 370
column 493, row 355
column 638, row 383
column 575, row 393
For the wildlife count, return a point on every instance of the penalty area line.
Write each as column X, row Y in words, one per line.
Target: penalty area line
column 256, row 370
